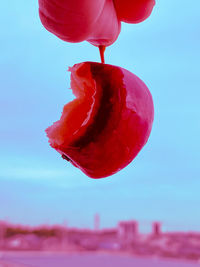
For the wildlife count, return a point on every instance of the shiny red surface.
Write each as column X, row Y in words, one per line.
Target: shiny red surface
column 97, row 21
column 134, row 11
column 109, row 122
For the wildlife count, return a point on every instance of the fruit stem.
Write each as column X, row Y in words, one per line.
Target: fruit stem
column 102, row 49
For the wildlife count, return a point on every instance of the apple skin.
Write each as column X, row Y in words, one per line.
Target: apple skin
column 109, row 122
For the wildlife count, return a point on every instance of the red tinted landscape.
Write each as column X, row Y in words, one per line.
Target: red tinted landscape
column 123, row 240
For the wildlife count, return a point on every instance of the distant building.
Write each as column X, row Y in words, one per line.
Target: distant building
column 127, row 233
column 96, row 222
column 156, row 229
column 2, row 233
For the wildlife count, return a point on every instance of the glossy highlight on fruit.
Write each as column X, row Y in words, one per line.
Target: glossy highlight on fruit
column 105, row 127
column 96, row 21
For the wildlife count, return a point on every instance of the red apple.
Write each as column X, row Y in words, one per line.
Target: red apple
column 108, row 123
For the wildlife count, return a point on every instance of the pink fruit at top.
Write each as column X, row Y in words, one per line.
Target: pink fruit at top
column 96, row 21
column 79, row 20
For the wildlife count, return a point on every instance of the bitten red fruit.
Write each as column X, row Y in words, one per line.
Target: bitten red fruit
column 108, row 123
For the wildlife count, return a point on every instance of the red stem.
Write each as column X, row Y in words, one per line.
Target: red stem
column 102, row 49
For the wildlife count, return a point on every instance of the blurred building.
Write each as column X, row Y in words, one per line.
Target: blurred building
column 156, row 229
column 2, row 233
column 127, row 233
column 96, row 222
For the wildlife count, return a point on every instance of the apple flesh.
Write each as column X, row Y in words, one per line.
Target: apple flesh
column 104, row 128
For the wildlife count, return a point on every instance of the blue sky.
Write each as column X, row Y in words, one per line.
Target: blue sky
column 162, row 183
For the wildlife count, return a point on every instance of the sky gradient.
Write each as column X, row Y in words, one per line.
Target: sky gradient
column 162, row 183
